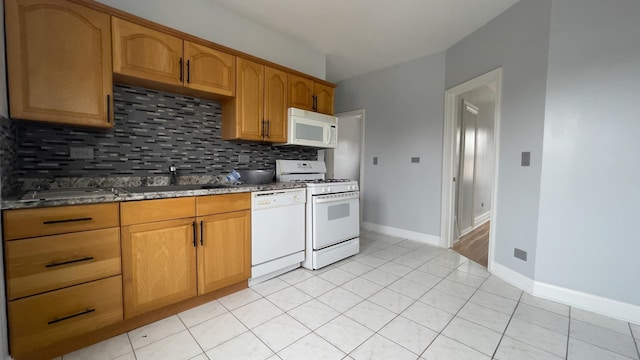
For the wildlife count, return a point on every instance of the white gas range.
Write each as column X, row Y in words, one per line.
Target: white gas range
column 332, row 212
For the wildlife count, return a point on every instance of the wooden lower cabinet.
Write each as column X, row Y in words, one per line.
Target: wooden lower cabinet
column 159, row 261
column 224, row 252
column 172, row 260
column 42, row 320
column 46, row 263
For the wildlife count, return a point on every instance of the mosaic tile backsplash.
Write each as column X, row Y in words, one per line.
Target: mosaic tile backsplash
column 152, row 130
column 7, row 153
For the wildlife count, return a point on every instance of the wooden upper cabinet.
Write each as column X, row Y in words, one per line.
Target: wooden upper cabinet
column 300, row 92
column 209, row 70
column 276, row 101
column 324, row 98
column 59, row 62
column 259, row 111
column 250, row 100
column 306, row 94
column 145, row 53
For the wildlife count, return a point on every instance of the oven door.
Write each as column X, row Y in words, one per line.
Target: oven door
column 336, row 218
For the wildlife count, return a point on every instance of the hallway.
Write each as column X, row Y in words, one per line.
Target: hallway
column 475, row 244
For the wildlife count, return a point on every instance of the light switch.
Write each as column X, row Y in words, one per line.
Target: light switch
column 526, row 158
column 415, row 160
column 375, row 160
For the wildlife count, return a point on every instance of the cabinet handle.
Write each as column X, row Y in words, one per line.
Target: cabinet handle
column 188, row 71
column 268, row 128
column 181, row 70
column 195, row 239
column 108, row 108
column 88, row 258
column 315, row 103
column 57, row 320
column 263, row 129
column 50, row 222
column 201, row 233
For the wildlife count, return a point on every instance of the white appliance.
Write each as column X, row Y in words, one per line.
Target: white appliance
column 333, row 212
column 308, row 128
column 277, row 232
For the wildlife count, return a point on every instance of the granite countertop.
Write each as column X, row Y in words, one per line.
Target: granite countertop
column 122, row 194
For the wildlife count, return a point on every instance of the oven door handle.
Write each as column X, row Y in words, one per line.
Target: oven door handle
column 329, row 198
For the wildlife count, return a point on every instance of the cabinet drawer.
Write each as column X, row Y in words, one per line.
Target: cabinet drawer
column 146, row 211
column 23, row 223
column 44, row 319
column 216, row 204
column 51, row 262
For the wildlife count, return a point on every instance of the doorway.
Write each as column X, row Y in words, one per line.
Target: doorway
column 346, row 161
column 472, row 119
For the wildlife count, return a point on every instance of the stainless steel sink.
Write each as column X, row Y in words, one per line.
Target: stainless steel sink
column 166, row 188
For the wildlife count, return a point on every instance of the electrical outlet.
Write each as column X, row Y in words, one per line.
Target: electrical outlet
column 375, row 160
column 415, row 160
column 526, row 158
column 482, row 204
column 243, row 158
column 520, row 254
column 85, row 153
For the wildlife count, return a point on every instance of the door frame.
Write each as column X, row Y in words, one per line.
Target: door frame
column 357, row 113
column 451, row 112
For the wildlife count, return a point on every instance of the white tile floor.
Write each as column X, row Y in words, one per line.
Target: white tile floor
column 397, row 299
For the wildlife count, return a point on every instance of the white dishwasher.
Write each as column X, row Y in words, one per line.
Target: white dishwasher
column 277, row 232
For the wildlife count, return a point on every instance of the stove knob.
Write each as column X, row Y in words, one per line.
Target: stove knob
column 296, row 198
column 328, row 189
column 324, row 189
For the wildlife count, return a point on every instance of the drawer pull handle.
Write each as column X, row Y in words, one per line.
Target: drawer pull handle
column 66, row 221
column 57, row 320
column 88, row 258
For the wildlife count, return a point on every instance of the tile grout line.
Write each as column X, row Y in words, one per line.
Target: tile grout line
column 504, row 332
column 635, row 341
column 457, row 312
column 566, row 354
column 191, row 334
column 387, row 287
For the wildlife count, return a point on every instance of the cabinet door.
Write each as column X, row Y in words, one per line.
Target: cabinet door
column 209, row 70
column 324, row 98
column 250, row 100
column 158, row 265
column 276, row 101
column 224, row 251
column 59, row 62
column 300, row 92
column 145, row 53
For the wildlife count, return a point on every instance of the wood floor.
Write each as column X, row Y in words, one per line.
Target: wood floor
column 475, row 245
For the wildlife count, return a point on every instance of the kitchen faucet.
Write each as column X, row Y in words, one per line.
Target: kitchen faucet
column 173, row 175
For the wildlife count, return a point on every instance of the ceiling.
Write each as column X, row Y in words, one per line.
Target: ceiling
column 358, row 36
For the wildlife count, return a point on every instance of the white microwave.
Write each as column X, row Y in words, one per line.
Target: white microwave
column 308, row 128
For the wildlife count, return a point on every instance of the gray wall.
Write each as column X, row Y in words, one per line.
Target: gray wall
column 518, row 41
column 590, row 202
column 484, row 98
column 205, row 19
column 404, row 112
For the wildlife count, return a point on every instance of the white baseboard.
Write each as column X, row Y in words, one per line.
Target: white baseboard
column 601, row 305
column 512, row 277
column 482, row 218
column 597, row 304
column 402, row 233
